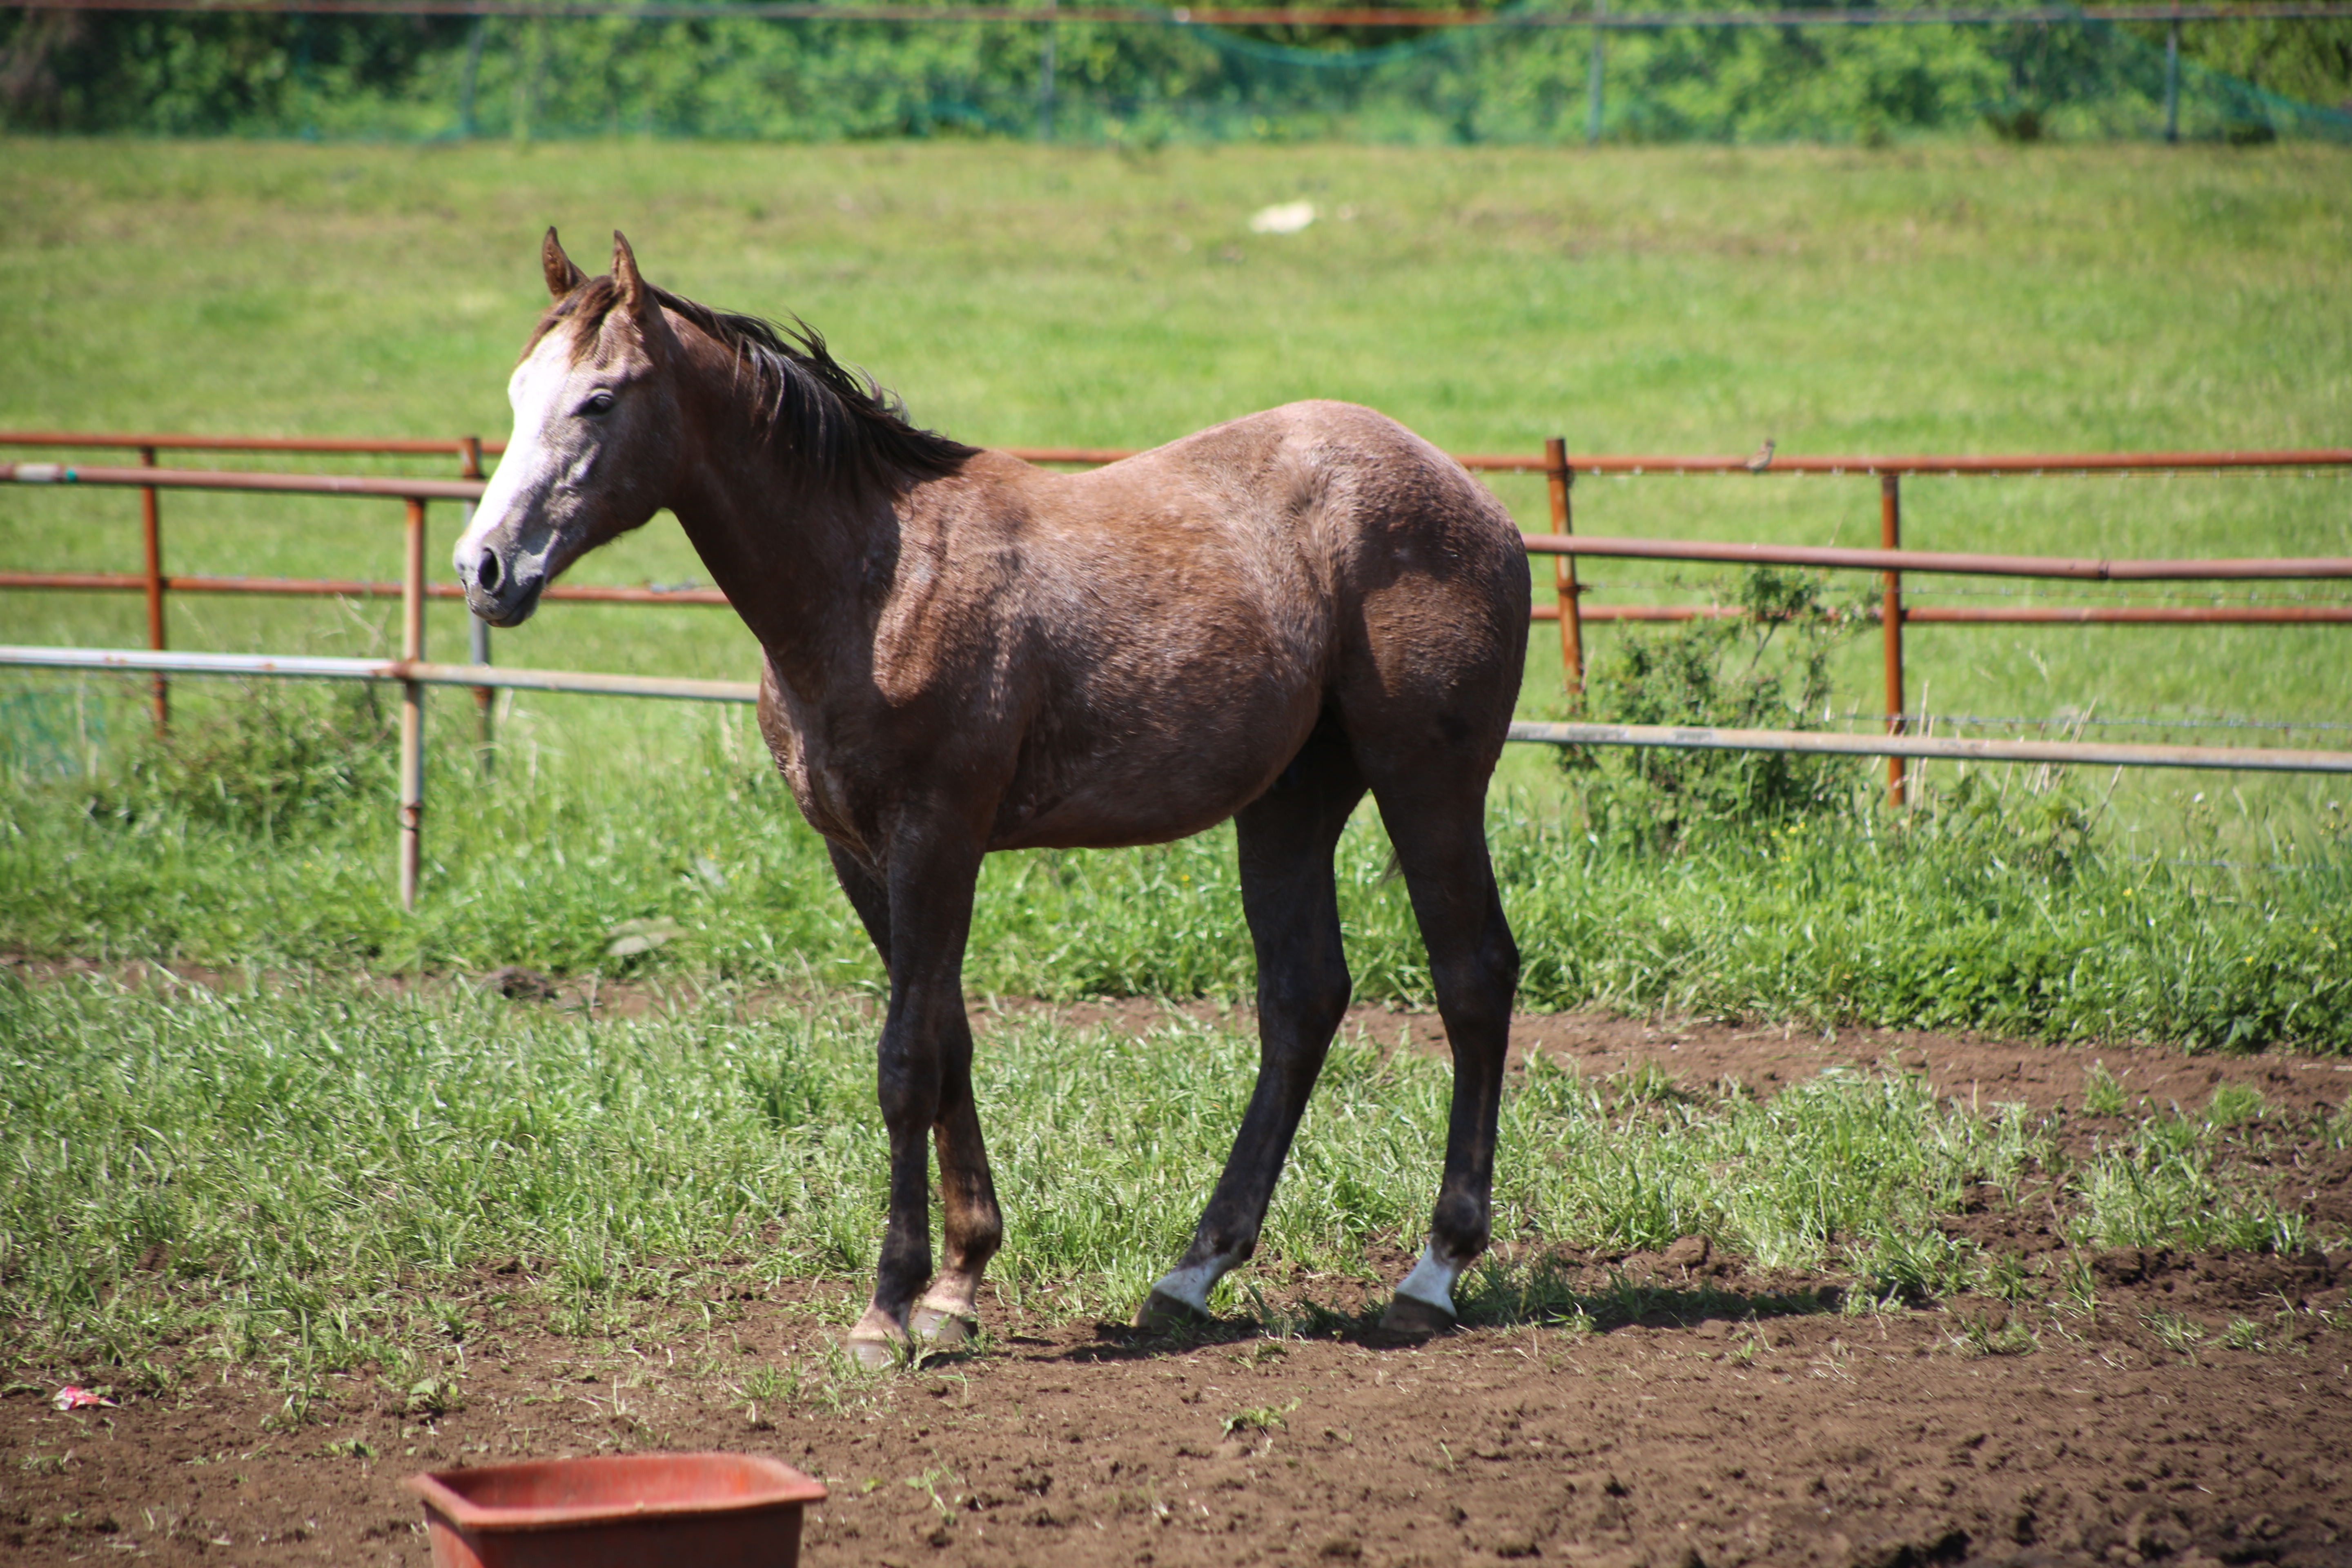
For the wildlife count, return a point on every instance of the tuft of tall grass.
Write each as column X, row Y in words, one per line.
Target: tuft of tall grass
column 274, row 757
column 2170, row 1182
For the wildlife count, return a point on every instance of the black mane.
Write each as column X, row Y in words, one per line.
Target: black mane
column 836, row 419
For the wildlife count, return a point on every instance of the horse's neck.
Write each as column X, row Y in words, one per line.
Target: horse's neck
column 804, row 563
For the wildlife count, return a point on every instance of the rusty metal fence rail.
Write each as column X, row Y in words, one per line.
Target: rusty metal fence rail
column 1891, row 560
column 411, row 672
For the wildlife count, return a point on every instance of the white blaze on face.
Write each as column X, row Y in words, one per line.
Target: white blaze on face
column 536, row 393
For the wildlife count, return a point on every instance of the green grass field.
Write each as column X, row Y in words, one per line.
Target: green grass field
column 1963, row 298
column 309, row 1154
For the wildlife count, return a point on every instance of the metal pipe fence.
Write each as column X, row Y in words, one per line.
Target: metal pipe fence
column 416, row 672
column 1891, row 560
column 413, row 673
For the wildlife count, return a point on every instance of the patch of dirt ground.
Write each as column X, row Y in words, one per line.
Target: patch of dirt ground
column 1732, row 1421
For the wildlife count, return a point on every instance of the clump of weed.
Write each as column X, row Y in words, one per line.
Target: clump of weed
column 2168, row 1185
column 2235, row 1103
column 276, row 757
column 1993, row 1334
column 1258, row 1420
column 2245, row 1334
column 2103, row 1094
column 2338, row 1132
column 2042, row 825
column 1768, row 668
column 1917, row 1265
column 2179, row 1334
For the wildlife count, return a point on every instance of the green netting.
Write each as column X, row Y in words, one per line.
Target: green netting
column 1509, row 81
column 48, row 732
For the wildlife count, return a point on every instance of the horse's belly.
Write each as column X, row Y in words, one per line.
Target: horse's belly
column 1149, row 788
column 1101, row 822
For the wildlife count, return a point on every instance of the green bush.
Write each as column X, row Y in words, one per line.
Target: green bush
column 278, row 756
column 1765, row 669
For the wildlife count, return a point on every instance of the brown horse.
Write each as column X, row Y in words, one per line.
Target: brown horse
column 964, row 653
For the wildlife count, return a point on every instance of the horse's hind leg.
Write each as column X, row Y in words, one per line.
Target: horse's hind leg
column 1287, row 837
column 1441, row 846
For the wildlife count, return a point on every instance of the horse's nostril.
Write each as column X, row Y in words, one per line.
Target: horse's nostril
column 489, row 572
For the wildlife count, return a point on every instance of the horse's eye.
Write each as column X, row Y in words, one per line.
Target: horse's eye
column 598, row 403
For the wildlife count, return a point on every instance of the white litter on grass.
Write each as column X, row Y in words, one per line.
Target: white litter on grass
column 634, row 937
column 1284, row 218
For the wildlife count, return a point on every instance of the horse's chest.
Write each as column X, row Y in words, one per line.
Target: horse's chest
column 831, row 796
column 835, row 800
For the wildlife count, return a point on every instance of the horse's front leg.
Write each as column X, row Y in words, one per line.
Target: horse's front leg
column 972, row 1227
column 923, row 1079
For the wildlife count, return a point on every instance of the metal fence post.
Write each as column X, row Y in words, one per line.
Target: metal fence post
column 478, row 651
column 1593, row 88
column 472, row 74
column 412, row 708
column 1890, row 536
column 2172, row 81
column 1045, row 79
column 478, row 630
column 1563, row 567
column 152, row 525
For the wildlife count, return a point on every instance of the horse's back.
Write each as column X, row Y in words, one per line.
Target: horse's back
column 1422, row 576
column 1175, row 625
column 1338, row 491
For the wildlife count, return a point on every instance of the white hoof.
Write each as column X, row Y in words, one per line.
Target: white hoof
column 1431, row 1284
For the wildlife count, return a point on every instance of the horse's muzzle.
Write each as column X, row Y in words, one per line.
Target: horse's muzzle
column 496, row 593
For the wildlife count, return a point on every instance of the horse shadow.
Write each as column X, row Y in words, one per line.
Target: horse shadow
column 1544, row 1298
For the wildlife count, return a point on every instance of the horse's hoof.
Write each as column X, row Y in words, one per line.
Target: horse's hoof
column 942, row 1330
column 874, row 1353
column 1162, row 1313
column 1412, row 1318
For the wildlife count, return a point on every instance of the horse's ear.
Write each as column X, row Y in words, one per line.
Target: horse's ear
column 635, row 298
column 639, row 305
column 561, row 276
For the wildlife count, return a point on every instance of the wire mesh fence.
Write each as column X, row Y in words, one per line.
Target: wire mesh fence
column 1145, row 77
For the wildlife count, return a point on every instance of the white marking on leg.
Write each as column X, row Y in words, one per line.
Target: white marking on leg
column 1192, row 1283
column 1431, row 1280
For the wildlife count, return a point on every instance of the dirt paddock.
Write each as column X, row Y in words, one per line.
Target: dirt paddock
column 1720, row 1428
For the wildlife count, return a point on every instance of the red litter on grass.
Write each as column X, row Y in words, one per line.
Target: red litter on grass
column 70, row 1397
column 715, row 1510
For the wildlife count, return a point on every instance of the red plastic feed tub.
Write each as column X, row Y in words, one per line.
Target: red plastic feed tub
column 714, row 1511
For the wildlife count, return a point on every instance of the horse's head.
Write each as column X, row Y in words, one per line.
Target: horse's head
column 594, row 443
